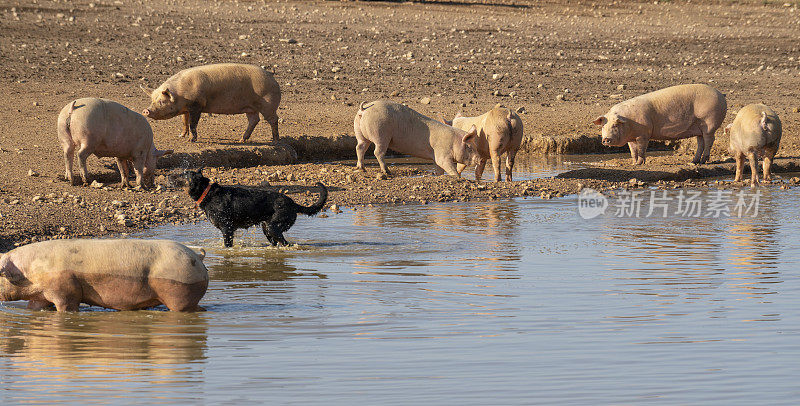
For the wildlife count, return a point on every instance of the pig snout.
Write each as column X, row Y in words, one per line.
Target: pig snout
column 146, row 112
column 606, row 141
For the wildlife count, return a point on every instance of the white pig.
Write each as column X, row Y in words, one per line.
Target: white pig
column 107, row 129
column 392, row 125
column 225, row 88
column 499, row 132
column 668, row 114
column 756, row 131
column 117, row 274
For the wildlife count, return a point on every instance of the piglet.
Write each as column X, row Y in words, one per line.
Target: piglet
column 122, row 274
column 499, row 132
column 225, row 88
column 107, row 129
column 392, row 125
column 756, row 131
column 676, row 112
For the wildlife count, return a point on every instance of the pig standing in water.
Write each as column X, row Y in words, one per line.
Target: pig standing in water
column 755, row 131
column 499, row 131
column 107, row 129
column 392, row 125
column 668, row 114
column 116, row 274
column 225, row 88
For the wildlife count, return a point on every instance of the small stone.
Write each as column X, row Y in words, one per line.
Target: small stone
column 425, row 100
column 335, row 209
column 633, row 181
column 37, row 198
column 560, row 97
column 497, row 76
column 36, row 104
column 97, row 185
column 33, row 173
column 521, row 110
column 336, row 69
column 621, row 87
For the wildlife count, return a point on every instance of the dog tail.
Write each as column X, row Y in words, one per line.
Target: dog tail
column 318, row 205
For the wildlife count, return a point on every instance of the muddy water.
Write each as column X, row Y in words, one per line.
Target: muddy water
column 517, row 302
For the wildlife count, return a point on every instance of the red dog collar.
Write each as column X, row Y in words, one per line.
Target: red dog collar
column 203, row 196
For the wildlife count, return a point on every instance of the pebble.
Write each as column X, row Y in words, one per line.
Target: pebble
column 425, row 100
column 33, row 173
column 97, row 185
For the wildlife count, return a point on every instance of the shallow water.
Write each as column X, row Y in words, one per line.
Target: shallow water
column 514, row 302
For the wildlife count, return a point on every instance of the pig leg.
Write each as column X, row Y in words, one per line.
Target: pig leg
column 194, row 117
column 448, row 165
column 252, row 121
column 511, row 156
column 83, row 154
column 361, row 150
column 638, row 150
column 769, row 154
column 701, row 146
column 753, row 169
column 138, row 169
column 739, row 166
column 380, row 152
column 123, row 171
column 361, row 145
column 496, row 165
column 709, row 142
column 479, row 168
column 186, row 122
column 69, row 153
column 272, row 119
column 66, row 295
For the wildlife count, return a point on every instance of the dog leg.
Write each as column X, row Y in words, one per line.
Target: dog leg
column 227, row 238
column 265, row 230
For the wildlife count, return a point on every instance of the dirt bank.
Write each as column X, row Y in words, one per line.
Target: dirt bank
column 563, row 62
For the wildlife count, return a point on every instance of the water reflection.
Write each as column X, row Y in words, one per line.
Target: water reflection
column 116, row 348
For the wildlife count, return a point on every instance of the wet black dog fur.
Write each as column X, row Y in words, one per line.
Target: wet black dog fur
column 230, row 208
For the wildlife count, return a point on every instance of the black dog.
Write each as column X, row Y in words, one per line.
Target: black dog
column 230, row 208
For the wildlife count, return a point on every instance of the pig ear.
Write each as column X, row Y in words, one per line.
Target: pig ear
column 470, row 135
column 12, row 273
column 168, row 93
column 600, row 120
column 764, row 120
column 146, row 89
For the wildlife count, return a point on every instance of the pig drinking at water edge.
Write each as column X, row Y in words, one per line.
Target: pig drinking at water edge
column 756, row 131
column 499, row 132
column 226, row 88
column 392, row 125
column 116, row 274
column 668, row 114
column 107, row 129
